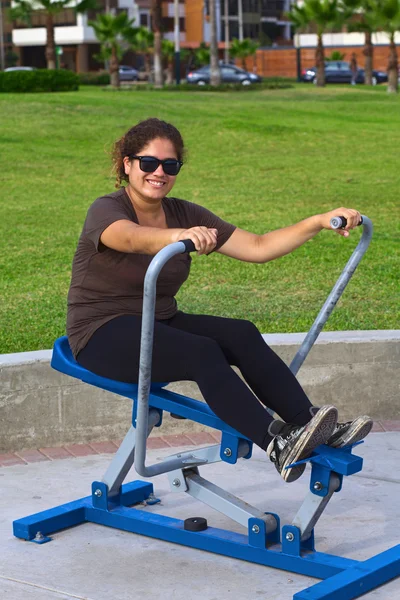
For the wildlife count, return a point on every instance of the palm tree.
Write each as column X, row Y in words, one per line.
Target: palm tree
column 215, row 73
column 115, row 34
column 202, row 55
column 323, row 15
column 144, row 45
column 365, row 22
column 168, row 52
column 243, row 49
column 156, row 14
column 23, row 10
column 388, row 15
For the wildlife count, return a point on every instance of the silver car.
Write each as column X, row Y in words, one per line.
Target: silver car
column 10, row 69
column 229, row 74
column 127, row 73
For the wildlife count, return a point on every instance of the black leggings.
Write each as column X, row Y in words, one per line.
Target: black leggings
column 202, row 348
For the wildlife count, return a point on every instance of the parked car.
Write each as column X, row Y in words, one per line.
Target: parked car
column 127, row 73
column 9, row 69
column 229, row 74
column 338, row 71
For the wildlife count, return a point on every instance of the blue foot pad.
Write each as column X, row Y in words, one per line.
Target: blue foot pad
column 40, row 538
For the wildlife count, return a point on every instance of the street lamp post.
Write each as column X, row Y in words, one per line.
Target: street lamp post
column 240, row 17
column 215, row 74
column 177, row 43
column 226, row 11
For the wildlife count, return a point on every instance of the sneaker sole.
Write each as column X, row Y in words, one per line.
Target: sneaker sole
column 357, row 432
column 317, row 432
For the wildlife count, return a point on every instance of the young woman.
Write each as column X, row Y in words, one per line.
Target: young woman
column 121, row 234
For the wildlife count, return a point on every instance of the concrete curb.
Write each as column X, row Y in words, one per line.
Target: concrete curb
column 357, row 371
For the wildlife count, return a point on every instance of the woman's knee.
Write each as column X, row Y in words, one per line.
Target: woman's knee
column 206, row 354
column 243, row 330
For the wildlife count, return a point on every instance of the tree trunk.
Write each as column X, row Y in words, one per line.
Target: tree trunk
column 320, row 62
column 50, row 43
column 147, row 66
column 369, row 55
column 156, row 19
column 114, row 68
column 215, row 73
column 170, row 71
column 393, row 84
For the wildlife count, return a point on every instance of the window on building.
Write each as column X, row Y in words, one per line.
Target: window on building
column 233, row 8
column 251, row 30
column 234, row 29
column 272, row 8
column 168, row 24
column 144, row 19
column 251, row 6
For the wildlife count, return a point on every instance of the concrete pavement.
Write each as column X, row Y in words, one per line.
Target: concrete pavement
column 93, row 562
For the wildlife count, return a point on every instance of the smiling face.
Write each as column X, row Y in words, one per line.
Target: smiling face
column 151, row 187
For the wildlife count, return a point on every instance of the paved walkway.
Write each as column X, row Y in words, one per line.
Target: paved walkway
column 92, row 562
column 24, row 457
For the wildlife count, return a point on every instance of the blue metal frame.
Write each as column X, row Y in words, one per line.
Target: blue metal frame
column 345, row 579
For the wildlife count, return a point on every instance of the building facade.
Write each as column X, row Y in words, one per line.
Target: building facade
column 262, row 20
column 75, row 39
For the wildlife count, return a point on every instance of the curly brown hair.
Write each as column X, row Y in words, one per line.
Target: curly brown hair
column 137, row 138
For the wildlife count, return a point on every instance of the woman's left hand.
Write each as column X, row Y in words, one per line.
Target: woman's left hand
column 352, row 216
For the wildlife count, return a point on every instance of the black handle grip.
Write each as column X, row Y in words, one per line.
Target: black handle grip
column 341, row 222
column 189, row 245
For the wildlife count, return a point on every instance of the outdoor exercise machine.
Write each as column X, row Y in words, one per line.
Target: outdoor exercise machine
column 291, row 548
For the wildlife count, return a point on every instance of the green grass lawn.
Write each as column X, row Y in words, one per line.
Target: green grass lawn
column 261, row 160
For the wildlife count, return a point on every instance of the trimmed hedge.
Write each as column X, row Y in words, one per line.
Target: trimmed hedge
column 266, row 84
column 102, row 78
column 39, row 80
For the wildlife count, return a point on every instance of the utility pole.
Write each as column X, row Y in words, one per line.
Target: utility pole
column 2, row 61
column 226, row 55
column 240, row 16
column 177, row 44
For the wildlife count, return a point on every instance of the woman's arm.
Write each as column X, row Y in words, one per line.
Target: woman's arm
column 251, row 247
column 125, row 236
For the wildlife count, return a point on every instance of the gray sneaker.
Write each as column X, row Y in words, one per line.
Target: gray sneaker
column 351, row 432
column 295, row 443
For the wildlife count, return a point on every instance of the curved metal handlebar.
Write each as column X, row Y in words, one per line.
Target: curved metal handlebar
column 146, row 343
column 146, row 351
column 334, row 296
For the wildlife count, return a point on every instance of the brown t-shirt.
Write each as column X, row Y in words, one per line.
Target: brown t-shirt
column 106, row 283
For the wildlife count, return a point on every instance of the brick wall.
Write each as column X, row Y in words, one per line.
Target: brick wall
column 282, row 62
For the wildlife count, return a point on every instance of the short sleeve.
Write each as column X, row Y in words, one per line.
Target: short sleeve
column 195, row 215
column 103, row 212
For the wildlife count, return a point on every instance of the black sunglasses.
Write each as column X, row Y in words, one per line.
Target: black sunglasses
column 149, row 164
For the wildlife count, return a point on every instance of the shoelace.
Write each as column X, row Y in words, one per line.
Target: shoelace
column 340, row 426
column 292, row 434
column 288, row 437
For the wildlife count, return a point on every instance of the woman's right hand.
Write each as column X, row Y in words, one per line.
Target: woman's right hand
column 203, row 238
